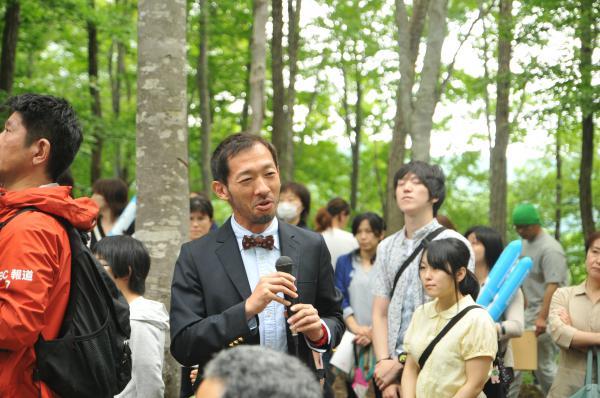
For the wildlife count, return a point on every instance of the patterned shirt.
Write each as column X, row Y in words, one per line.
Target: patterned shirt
column 409, row 293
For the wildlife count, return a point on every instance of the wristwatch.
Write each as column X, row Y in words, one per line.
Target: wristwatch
column 402, row 358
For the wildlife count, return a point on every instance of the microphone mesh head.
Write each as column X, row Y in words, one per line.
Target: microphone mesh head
column 284, row 264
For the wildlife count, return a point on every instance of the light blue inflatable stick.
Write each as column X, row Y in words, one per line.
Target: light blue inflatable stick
column 125, row 219
column 509, row 256
column 509, row 288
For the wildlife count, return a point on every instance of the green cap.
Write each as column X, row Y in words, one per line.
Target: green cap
column 525, row 214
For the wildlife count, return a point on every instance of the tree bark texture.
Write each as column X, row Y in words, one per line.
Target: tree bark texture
column 10, row 38
column 498, row 156
column 96, row 163
column 410, row 31
column 161, row 156
column 426, row 95
column 258, row 65
column 279, row 123
column 585, row 32
column 204, row 93
column 353, row 130
column 294, row 8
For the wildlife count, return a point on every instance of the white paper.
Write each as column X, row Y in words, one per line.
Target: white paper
column 343, row 357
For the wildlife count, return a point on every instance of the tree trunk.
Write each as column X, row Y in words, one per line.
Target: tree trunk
column 498, row 155
column 426, row 98
column 409, row 37
column 587, row 117
column 278, row 136
column 293, row 48
column 353, row 130
column 558, row 184
column 258, row 65
column 356, row 144
column 203, row 92
column 96, row 164
column 162, row 216
column 10, row 37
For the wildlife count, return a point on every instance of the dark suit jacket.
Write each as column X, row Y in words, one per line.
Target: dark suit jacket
column 210, row 287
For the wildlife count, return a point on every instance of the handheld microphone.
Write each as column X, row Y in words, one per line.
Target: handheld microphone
column 286, row 264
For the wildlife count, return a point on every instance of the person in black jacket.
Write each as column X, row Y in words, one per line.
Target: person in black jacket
column 225, row 290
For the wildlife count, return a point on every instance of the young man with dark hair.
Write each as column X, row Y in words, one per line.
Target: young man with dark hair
column 40, row 140
column 226, row 290
column 420, row 191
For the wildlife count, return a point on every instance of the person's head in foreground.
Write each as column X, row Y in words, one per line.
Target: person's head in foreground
column 40, row 140
column 443, row 271
column 250, row 371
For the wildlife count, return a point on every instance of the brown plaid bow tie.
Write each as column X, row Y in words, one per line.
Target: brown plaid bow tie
column 266, row 242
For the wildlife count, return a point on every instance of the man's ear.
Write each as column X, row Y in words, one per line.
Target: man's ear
column 41, row 151
column 220, row 190
column 434, row 200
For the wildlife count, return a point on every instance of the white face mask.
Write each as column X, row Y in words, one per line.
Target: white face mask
column 287, row 211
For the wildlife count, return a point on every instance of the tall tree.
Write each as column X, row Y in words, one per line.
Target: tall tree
column 279, row 118
column 115, row 75
column 294, row 8
column 203, row 90
column 586, row 33
column 498, row 154
column 411, row 113
column 353, row 128
column 258, row 65
column 162, row 148
column 96, row 165
column 10, row 37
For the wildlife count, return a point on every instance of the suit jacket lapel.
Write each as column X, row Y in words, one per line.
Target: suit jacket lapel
column 289, row 245
column 228, row 253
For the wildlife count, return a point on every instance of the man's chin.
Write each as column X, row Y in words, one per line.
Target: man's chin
column 264, row 219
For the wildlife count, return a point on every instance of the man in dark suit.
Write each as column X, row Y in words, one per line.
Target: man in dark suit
column 225, row 288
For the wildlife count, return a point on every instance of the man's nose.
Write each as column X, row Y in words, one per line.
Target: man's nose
column 261, row 186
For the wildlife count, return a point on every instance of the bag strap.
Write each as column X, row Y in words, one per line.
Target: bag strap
column 20, row 211
column 431, row 236
column 442, row 333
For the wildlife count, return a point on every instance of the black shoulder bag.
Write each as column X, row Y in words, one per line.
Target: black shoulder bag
column 442, row 333
column 432, row 235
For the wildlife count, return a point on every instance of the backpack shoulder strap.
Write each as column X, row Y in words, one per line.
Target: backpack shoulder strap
column 20, row 211
column 442, row 333
column 431, row 236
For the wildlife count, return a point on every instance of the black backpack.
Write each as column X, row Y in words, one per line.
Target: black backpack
column 91, row 355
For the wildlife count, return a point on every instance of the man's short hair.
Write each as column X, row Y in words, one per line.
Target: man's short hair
column 54, row 119
column 431, row 175
column 258, row 372
column 231, row 146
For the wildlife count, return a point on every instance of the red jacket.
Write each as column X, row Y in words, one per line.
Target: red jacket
column 35, row 276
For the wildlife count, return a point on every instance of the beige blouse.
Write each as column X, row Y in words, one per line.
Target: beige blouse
column 473, row 336
column 585, row 316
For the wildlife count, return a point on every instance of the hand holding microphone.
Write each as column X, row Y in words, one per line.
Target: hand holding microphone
column 302, row 318
column 266, row 291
